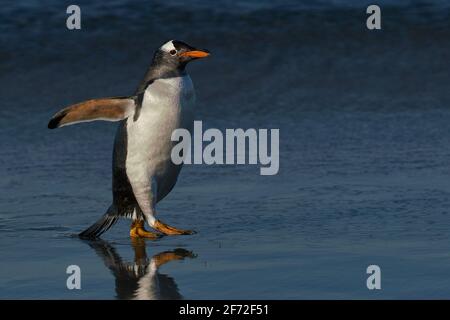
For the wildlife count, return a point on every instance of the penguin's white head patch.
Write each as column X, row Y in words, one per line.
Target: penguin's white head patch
column 169, row 47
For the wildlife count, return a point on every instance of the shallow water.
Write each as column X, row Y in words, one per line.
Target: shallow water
column 364, row 152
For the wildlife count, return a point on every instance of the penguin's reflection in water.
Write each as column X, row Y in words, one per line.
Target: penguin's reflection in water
column 140, row 280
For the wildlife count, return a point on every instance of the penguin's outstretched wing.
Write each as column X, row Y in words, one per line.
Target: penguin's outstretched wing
column 106, row 109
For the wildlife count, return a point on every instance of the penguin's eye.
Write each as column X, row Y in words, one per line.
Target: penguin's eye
column 173, row 52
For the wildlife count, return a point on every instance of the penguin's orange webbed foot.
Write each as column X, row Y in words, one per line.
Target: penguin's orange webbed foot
column 137, row 231
column 169, row 230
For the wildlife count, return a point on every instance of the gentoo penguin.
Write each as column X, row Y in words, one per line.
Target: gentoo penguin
column 140, row 279
column 143, row 172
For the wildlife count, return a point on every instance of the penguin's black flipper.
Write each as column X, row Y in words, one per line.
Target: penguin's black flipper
column 106, row 109
column 102, row 225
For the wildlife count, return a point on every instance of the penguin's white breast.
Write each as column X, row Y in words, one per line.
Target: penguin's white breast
column 166, row 106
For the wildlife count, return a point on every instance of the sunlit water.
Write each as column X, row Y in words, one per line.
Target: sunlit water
column 364, row 152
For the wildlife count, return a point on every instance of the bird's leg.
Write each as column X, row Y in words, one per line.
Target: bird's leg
column 140, row 255
column 137, row 231
column 146, row 198
column 169, row 230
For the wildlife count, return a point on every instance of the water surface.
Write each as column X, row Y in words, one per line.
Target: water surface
column 364, row 151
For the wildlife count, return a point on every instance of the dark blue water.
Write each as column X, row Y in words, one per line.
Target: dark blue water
column 364, row 151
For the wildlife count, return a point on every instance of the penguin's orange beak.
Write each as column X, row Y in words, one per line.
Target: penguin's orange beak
column 195, row 54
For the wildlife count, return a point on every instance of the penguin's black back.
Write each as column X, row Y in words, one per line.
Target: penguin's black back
column 123, row 196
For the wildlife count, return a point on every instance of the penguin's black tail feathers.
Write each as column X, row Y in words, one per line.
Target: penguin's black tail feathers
column 102, row 225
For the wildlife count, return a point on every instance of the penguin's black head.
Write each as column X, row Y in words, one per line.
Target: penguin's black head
column 177, row 54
